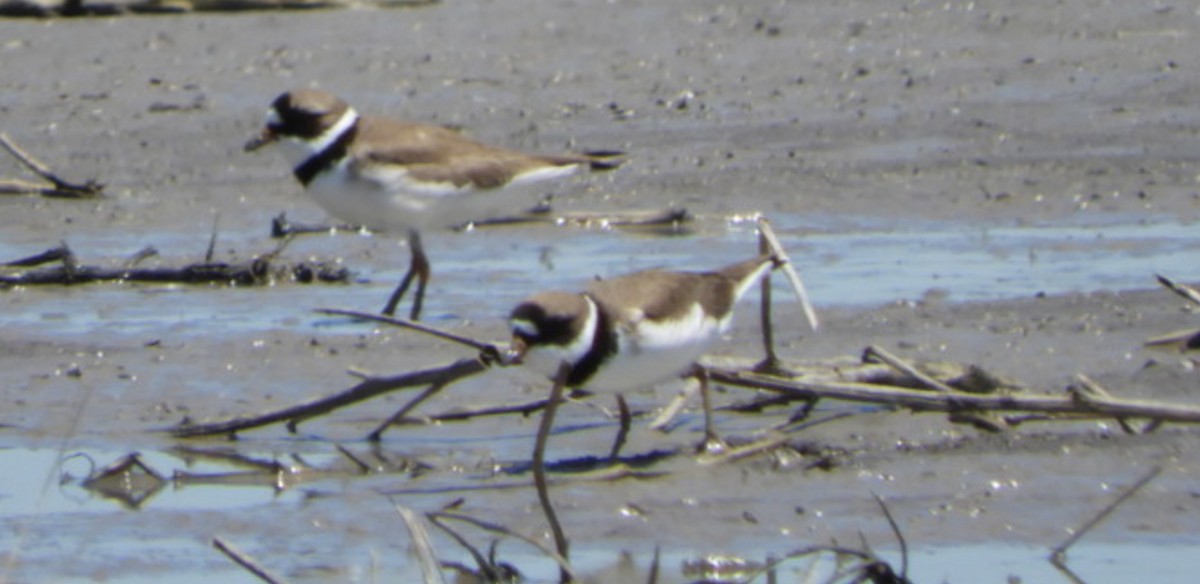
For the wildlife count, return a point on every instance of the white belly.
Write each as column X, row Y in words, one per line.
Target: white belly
column 402, row 206
column 644, row 370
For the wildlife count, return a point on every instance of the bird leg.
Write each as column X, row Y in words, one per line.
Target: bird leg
column 712, row 443
column 539, row 464
column 623, row 432
column 419, row 269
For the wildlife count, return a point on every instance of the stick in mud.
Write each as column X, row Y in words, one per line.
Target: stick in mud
column 436, row 517
column 59, row 187
column 431, row 570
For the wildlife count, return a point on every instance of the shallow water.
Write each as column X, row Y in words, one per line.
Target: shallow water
column 857, row 265
column 37, row 512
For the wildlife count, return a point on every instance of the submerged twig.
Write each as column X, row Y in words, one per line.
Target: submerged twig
column 887, row 513
column 436, row 516
column 245, row 561
column 377, row 434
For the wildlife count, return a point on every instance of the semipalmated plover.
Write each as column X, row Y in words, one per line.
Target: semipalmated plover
column 625, row 333
column 389, row 175
column 633, row 331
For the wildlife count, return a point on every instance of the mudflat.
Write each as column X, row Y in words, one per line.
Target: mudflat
column 832, row 119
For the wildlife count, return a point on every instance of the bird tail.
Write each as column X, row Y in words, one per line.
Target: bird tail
column 605, row 159
column 744, row 274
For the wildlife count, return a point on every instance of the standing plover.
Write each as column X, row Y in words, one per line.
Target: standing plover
column 389, row 175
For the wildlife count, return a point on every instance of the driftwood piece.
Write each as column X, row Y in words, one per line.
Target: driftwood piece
column 262, row 269
column 1183, row 340
column 58, row 187
column 929, row 401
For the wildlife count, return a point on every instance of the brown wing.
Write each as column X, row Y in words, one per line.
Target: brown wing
column 661, row 294
column 437, row 154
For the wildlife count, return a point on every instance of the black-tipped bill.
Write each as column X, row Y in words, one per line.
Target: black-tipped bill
column 264, row 137
column 515, row 354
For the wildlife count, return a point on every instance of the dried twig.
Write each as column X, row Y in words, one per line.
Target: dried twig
column 484, row 348
column 431, row 571
column 1186, row 339
column 54, row 254
column 1058, row 555
column 1088, row 389
column 367, row 389
column 1183, row 290
column 59, row 187
column 436, row 517
column 874, row 352
column 736, row 453
column 785, row 263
